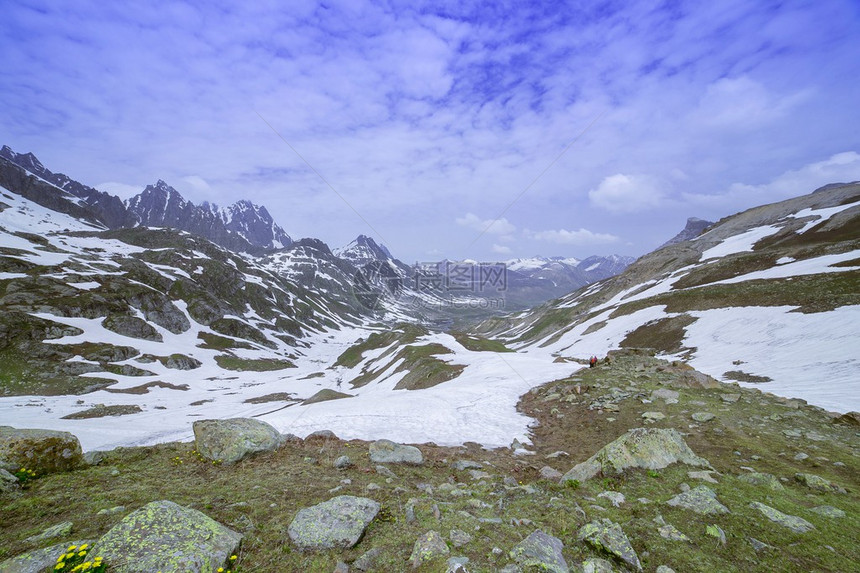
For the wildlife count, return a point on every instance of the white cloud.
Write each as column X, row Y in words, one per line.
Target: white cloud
column 499, row 226
column 626, row 193
column 839, row 168
column 501, row 249
column 579, row 237
column 197, row 183
column 742, row 103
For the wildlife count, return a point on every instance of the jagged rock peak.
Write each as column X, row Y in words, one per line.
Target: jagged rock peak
column 692, row 229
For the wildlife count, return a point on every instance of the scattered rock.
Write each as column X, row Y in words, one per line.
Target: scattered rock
column 38, row 560
column 325, row 395
column 187, row 541
column 608, row 536
column 367, row 561
column 818, row 483
column 231, row 440
column 638, row 448
column 43, row 451
column 111, row 510
column 665, row 569
column 547, row 472
column 428, row 547
column 60, row 530
column 668, row 396
column 801, row 456
column 701, row 499
column 848, row 419
column 459, row 538
column 762, row 479
column 384, row 471
column 828, row 511
column 337, row 523
column 542, row 551
column 94, row 457
column 758, row 545
column 703, row 417
column 461, row 465
column 672, row 533
column 730, row 398
column 596, row 565
column 387, row 452
column 457, row 565
column 342, row 462
column 341, row 567
column 321, row 436
column 653, row 416
column 794, row 523
column 704, row 475
column 616, row 498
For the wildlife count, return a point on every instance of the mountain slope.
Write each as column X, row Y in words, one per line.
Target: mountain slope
column 242, row 226
column 769, row 295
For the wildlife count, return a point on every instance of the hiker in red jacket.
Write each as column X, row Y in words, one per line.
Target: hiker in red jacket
column 592, row 362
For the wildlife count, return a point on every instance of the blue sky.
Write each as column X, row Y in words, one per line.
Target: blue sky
column 580, row 127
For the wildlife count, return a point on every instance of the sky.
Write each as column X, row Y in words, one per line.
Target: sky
column 483, row 130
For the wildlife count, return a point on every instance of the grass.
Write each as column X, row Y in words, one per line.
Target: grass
column 259, row 495
column 479, row 343
column 235, row 363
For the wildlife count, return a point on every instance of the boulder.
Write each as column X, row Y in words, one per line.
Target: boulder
column 701, row 500
column 702, row 417
column 187, row 541
column 43, row 451
column 645, row 448
column 57, row 531
column 818, row 483
column 597, row 565
column 337, row 523
column 231, row 440
column 367, row 561
column 668, row 396
column 541, row 551
column 794, row 523
column 828, row 511
column 606, row 535
column 38, row 560
column 427, row 548
column 848, row 419
column 387, row 452
column 763, row 479
column 694, row 379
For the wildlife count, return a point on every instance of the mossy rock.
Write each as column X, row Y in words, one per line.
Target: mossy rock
column 43, row 451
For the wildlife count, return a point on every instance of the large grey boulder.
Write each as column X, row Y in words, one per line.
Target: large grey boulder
column 606, row 535
column 542, row 551
column 163, row 536
column 38, row 560
column 43, row 451
column 701, row 499
column 337, row 523
column 387, row 452
column 231, row 440
column 647, row 448
column 794, row 523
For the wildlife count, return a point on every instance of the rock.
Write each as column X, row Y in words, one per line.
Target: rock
column 828, row 511
column 231, row 440
column 668, row 396
column 337, row 523
column 762, row 479
column 547, row 472
column 186, row 541
column 111, row 510
column 60, row 530
column 665, row 569
column 510, row 568
column 387, row 452
column 794, row 523
column 461, row 465
column 614, row 497
column 758, row 545
column 638, row 448
column 38, row 560
column 43, row 451
column 321, row 436
column 801, row 456
column 428, row 547
column 596, row 565
column 182, row 362
column 541, row 551
column 478, row 474
column 8, row 482
column 342, row 462
column 730, row 398
column 848, row 419
column 557, row 454
column 694, row 379
column 671, row 533
column 818, row 483
column 701, row 499
column 605, row 535
column 715, row 530
column 384, row 471
column 653, row 416
column 367, row 561
column 704, row 475
column 703, row 417
column 459, row 538
column 94, row 457
column 341, row 567
column 325, row 395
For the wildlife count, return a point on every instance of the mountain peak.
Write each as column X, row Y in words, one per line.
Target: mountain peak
column 691, row 230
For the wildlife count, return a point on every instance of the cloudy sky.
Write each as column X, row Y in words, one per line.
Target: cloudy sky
column 578, row 127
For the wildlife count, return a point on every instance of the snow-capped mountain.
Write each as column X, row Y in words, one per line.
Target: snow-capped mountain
column 770, row 296
column 242, row 226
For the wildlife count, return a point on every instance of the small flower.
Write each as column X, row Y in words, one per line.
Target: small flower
column 233, row 558
column 84, row 546
column 72, row 547
column 220, row 570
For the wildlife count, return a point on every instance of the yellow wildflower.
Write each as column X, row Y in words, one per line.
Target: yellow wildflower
column 72, row 547
column 233, row 558
column 84, row 546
